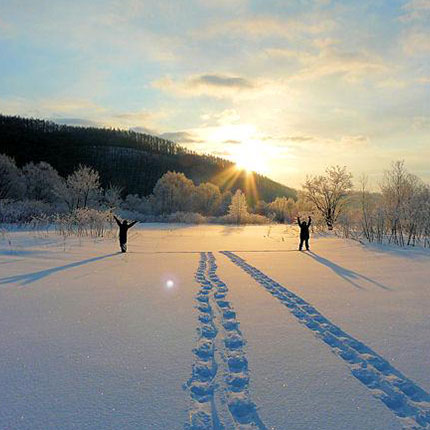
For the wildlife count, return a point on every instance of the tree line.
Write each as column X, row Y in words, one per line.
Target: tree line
column 133, row 161
column 37, row 190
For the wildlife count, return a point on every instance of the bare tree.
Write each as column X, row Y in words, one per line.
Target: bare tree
column 329, row 193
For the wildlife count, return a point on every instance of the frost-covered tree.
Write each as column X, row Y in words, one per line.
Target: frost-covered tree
column 81, row 188
column 173, row 192
column 405, row 203
column 42, row 181
column 207, row 199
column 284, row 208
column 112, row 196
column 238, row 208
column 329, row 193
column 12, row 184
column 143, row 205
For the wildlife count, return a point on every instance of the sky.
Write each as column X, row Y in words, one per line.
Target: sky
column 284, row 87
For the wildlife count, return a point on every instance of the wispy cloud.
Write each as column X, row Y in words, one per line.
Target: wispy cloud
column 213, row 85
column 415, row 10
column 417, row 41
column 265, row 26
column 181, row 137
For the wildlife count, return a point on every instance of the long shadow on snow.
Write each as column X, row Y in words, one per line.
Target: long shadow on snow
column 346, row 274
column 28, row 278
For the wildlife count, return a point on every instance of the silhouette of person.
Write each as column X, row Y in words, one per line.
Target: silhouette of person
column 304, row 233
column 123, row 229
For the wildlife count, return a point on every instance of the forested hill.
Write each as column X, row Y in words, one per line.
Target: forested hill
column 135, row 161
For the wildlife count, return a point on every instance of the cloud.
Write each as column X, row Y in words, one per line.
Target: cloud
column 330, row 60
column 415, row 10
column 213, row 85
column 221, row 153
column 221, row 81
column 417, row 41
column 80, row 122
column 181, row 137
column 232, row 142
column 265, row 26
column 352, row 66
column 85, row 112
column 143, row 130
column 49, row 107
column 303, row 142
column 222, row 3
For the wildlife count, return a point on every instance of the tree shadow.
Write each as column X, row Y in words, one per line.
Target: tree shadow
column 28, row 278
column 346, row 274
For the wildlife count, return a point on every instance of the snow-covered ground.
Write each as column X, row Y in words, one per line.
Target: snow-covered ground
column 176, row 333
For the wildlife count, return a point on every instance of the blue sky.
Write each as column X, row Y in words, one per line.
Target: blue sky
column 294, row 85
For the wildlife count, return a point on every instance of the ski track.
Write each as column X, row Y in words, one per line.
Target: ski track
column 409, row 402
column 203, row 414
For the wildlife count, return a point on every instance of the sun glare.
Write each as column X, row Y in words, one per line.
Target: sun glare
column 250, row 159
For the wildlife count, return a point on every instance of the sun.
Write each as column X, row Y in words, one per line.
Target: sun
column 250, row 159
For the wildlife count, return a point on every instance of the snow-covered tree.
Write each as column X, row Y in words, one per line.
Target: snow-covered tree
column 42, row 180
column 404, row 197
column 12, row 184
column 173, row 192
column 284, row 208
column 329, row 193
column 207, row 199
column 112, row 196
column 81, row 188
column 238, row 208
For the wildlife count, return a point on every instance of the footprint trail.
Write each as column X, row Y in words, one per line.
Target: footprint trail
column 219, row 336
column 409, row 402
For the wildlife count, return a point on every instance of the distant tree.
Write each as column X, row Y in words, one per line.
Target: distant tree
column 207, row 199
column 80, row 188
column 238, row 208
column 329, row 193
column 261, row 208
column 42, row 180
column 285, row 209
column 173, row 192
column 225, row 203
column 12, row 184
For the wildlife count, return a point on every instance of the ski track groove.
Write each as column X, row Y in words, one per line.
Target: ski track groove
column 409, row 402
column 202, row 386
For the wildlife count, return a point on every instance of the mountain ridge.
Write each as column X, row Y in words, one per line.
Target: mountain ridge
column 130, row 159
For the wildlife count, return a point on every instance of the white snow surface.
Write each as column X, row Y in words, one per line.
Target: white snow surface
column 176, row 334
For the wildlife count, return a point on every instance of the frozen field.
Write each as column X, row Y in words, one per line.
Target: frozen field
column 211, row 327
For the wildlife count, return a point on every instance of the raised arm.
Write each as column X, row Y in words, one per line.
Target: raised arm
column 132, row 224
column 117, row 220
column 309, row 221
column 298, row 220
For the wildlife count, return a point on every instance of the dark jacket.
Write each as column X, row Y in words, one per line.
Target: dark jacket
column 304, row 228
column 123, row 229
